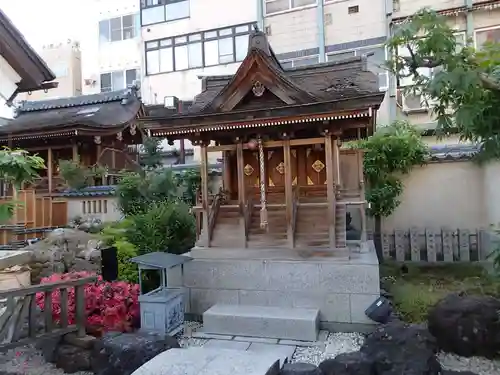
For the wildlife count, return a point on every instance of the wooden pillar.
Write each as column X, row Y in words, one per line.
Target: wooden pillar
column 226, row 179
column 330, row 186
column 204, row 192
column 182, row 152
column 288, row 192
column 364, row 207
column 49, row 168
column 241, row 174
column 75, row 152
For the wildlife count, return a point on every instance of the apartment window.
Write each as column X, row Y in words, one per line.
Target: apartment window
column 118, row 80
column 60, row 69
column 491, row 35
column 208, row 48
column 277, row 6
column 376, row 57
column 302, row 61
column 119, row 28
column 157, row 11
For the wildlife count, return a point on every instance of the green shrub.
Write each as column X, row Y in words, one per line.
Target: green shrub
column 166, row 226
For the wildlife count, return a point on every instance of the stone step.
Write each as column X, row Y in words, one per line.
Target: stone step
column 262, row 321
column 212, row 361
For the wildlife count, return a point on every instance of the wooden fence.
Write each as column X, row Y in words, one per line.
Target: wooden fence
column 33, row 217
column 429, row 245
column 20, row 307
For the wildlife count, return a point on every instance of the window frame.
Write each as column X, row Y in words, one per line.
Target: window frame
column 481, row 29
column 164, row 4
column 124, row 75
column 291, row 8
column 301, row 58
column 201, row 38
column 364, row 48
column 108, row 21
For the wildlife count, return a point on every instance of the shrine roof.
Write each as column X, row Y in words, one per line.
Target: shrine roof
column 262, row 89
column 330, row 81
column 33, row 71
column 99, row 112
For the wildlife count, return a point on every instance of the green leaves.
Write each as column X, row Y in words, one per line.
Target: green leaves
column 16, row 167
column 393, row 150
column 464, row 84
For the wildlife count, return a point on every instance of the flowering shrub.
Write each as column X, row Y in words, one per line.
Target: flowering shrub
column 109, row 306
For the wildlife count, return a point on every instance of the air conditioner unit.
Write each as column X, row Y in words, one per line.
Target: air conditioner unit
column 90, row 81
column 413, row 103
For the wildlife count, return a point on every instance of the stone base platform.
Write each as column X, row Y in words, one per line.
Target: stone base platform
column 262, row 321
column 341, row 288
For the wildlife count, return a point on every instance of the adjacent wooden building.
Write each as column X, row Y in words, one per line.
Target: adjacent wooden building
column 93, row 130
column 288, row 182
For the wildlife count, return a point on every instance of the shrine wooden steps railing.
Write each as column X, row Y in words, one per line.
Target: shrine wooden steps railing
column 20, row 315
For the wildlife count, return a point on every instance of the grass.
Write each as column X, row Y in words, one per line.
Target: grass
column 417, row 290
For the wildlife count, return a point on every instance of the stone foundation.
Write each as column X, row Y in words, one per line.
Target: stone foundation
column 341, row 288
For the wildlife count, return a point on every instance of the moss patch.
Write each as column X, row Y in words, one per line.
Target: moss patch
column 416, row 288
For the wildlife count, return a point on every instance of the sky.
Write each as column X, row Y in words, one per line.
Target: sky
column 47, row 21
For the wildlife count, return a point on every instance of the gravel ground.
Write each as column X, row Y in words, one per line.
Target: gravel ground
column 29, row 361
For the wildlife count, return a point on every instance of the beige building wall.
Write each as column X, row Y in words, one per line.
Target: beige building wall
column 65, row 60
column 293, row 30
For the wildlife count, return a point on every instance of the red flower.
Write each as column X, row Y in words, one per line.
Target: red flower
column 109, row 306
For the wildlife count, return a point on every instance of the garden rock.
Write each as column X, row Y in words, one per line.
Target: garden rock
column 123, row 353
column 72, row 359
column 466, row 325
column 64, row 250
column 355, row 363
column 398, row 348
column 300, row 369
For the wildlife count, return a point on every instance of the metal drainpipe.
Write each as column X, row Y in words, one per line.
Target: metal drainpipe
column 470, row 20
column 321, row 30
column 393, row 113
column 260, row 14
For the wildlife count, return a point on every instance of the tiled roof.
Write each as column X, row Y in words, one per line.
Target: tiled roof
column 97, row 110
column 92, row 191
column 452, row 152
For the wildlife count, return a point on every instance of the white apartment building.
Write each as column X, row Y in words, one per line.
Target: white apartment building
column 112, row 48
column 475, row 20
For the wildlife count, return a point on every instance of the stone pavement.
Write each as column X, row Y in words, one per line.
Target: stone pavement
column 283, row 349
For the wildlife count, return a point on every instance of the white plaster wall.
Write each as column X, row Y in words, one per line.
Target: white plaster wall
column 75, row 209
column 492, row 193
column 441, row 194
column 368, row 23
column 100, row 58
column 205, row 15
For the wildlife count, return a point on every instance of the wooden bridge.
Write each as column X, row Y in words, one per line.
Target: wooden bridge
column 19, row 307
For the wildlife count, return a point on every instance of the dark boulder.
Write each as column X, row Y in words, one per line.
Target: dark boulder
column 300, row 369
column 398, row 348
column 355, row 363
column 72, row 359
column 123, row 353
column 466, row 325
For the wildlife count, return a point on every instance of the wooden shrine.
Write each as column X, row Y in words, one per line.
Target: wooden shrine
column 288, row 182
column 94, row 129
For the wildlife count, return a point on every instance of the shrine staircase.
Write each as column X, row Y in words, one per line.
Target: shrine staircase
column 227, row 231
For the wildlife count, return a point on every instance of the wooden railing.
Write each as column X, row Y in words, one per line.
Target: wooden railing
column 20, row 307
column 213, row 212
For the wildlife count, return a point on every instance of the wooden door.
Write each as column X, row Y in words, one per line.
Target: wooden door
column 315, row 166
